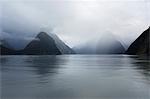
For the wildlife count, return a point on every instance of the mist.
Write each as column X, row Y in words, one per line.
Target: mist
column 75, row 21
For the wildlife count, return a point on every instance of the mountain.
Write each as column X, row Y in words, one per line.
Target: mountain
column 106, row 44
column 64, row 49
column 141, row 46
column 6, row 49
column 43, row 44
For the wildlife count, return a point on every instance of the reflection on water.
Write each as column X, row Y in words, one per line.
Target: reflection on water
column 142, row 64
column 75, row 77
column 44, row 66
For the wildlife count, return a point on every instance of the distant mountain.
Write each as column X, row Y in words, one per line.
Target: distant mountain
column 6, row 49
column 141, row 46
column 106, row 44
column 43, row 44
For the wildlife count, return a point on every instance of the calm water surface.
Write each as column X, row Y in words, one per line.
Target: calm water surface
column 75, row 77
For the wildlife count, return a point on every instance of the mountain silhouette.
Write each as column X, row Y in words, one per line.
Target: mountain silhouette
column 43, row 44
column 141, row 45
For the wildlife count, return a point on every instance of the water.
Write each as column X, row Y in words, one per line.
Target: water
column 75, row 77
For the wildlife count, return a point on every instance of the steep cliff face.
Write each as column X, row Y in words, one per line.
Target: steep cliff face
column 64, row 49
column 141, row 46
column 43, row 44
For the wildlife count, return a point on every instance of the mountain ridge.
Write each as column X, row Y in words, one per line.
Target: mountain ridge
column 141, row 46
column 42, row 44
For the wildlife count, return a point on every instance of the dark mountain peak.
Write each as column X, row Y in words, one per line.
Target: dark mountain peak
column 51, row 37
column 42, row 34
column 44, row 46
column 141, row 44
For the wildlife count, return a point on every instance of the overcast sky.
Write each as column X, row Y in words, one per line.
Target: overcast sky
column 75, row 21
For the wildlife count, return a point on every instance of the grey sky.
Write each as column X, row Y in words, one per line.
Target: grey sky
column 76, row 21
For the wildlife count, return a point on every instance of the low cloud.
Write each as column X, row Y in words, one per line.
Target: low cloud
column 75, row 21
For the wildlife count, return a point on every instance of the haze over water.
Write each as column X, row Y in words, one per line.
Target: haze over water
column 75, row 77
